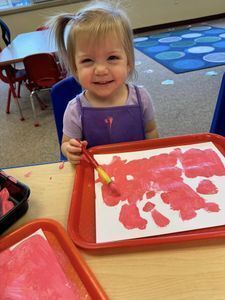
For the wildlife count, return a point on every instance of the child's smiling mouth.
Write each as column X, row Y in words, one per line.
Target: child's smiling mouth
column 103, row 82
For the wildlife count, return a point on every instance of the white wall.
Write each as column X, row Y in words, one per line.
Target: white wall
column 143, row 13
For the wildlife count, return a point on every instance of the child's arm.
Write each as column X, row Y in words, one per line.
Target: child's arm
column 71, row 148
column 151, row 131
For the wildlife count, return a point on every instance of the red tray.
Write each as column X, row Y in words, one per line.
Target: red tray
column 81, row 220
column 67, row 255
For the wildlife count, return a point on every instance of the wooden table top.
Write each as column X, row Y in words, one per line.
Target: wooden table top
column 26, row 44
column 191, row 270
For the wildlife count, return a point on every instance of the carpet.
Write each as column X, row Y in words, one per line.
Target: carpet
column 185, row 50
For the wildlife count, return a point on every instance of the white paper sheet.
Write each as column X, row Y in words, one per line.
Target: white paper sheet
column 110, row 228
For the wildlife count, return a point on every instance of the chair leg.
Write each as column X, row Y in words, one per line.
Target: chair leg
column 43, row 106
column 17, row 101
column 18, row 89
column 36, row 123
column 7, row 110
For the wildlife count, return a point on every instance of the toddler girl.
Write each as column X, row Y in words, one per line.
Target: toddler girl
column 96, row 46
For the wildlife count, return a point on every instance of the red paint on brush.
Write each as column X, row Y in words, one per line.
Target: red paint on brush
column 114, row 189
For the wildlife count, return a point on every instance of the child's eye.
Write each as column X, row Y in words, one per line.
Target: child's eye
column 86, row 60
column 113, row 57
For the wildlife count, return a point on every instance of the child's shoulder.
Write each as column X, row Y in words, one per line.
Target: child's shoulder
column 142, row 90
column 75, row 101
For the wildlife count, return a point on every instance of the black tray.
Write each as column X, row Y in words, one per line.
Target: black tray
column 19, row 194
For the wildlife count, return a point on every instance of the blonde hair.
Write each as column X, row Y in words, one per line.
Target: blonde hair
column 96, row 20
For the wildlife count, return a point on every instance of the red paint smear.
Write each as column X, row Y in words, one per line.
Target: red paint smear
column 31, row 271
column 148, row 206
column 206, row 187
column 28, row 174
column 6, row 205
column 159, row 173
column 198, row 162
column 61, row 166
column 130, row 217
column 159, row 218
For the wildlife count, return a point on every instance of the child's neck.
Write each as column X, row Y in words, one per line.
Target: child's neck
column 118, row 98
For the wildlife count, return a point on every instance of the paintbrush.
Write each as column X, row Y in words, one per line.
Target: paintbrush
column 101, row 172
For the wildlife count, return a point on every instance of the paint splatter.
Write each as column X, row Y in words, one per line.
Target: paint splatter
column 148, row 206
column 5, row 204
column 160, row 174
column 109, row 121
column 61, row 166
column 130, row 217
column 28, row 174
column 159, row 218
column 31, row 271
column 207, row 187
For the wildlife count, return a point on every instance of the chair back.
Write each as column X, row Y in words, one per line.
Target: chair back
column 6, row 36
column 218, row 120
column 61, row 93
column 42, row 71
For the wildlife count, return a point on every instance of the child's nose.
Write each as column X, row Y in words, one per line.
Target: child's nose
column 100, row 69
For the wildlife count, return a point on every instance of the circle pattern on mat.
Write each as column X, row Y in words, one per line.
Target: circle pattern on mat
column 186, row 64
column 170, row 55
column 156, row 49
column 208, row 39
column 222, row 35
column 140, row 39
column 183, row 44
column 191, row 35
column 146, row 44
column 160, row 35
column 201, row 49
column 200, row 28
column 220, row 44
column 170, row 39
column 217, row 57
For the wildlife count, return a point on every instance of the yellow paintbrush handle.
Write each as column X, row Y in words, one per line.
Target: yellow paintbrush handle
column 102, row 173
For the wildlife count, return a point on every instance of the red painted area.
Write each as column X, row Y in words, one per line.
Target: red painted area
column 31, row 271
column 160, row 174
column 5, row 204
column 198, row 162
column 148, row 206
column 130, row 217
column 206, row 187
column 159, row 218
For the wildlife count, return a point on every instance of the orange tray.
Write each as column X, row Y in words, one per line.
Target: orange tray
column 81, row 220
column 67, row 255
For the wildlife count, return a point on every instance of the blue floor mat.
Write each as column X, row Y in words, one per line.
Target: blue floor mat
column 190, row 49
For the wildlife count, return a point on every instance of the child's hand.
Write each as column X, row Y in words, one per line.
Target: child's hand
column 73, row 151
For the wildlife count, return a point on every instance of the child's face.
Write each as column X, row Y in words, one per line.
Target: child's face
column 102, row 67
